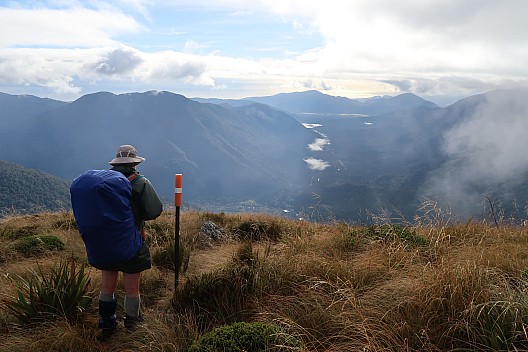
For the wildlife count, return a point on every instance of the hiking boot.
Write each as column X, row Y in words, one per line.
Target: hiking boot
column 108, row 326
column 132, row 322
column 108, row 319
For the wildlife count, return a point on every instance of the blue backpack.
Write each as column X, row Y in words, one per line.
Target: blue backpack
column 101, row 202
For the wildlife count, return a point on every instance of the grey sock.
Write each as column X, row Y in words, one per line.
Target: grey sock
column 132, row 306
column 106, row 297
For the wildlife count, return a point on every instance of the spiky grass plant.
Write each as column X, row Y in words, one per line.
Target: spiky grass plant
column 163, row 254
column 40, row 296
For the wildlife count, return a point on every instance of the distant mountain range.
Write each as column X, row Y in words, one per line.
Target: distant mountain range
column 308, row 153
column 226, row 154
column 314, row 102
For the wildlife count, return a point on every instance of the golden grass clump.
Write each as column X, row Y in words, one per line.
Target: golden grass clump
column 435, row 285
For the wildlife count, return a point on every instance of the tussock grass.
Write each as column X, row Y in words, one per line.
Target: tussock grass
column 434, row 285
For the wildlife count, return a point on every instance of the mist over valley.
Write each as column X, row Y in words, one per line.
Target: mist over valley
column 302, row 154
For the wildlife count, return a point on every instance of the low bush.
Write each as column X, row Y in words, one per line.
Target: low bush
column 225, row 296
column 216, row 298
column 13, row 232
column 405, row 234
column 217, row 218
column 163, row 255
column 257, row 230
column 243, row 336
column 35, row 245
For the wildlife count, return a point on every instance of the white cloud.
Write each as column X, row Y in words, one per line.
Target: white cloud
column 318, row 144
column 173, row 66
column 118, row 61
column 316, row 164
column 192, row 46
column 71, row 27
column 370, row 47
column 477, row 41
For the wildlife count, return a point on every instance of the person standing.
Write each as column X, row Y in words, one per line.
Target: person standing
column 146, row 205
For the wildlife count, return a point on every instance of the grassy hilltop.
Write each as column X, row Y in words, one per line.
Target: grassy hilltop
column 433, row 286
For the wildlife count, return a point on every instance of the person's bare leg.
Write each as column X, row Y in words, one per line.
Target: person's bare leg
column 109, row 282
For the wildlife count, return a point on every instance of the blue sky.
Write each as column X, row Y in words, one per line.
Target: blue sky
column 441, row 50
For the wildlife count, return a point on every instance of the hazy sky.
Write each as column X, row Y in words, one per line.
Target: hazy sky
column 238, row 48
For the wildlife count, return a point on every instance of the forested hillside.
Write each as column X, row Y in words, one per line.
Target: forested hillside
column 27, row 190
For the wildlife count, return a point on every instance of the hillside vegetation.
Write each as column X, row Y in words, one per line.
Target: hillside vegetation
column 26, row 190
column 435, row 285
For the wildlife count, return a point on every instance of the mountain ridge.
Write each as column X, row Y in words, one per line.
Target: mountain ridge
column 241, row 144
column 313, row 101
column 255, row 153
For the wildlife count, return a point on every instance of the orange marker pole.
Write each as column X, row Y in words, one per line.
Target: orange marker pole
column 177, row 204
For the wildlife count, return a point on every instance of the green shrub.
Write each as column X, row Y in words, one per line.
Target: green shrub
column 159, row 231
column 34, row 245
column 218, row 218
column 524, row 274
column 500, row 325
column 258, row 230
column 42, row 296
column 246, row 337
column 405, row 234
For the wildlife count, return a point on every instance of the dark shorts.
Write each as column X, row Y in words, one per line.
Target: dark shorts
column 136, row 264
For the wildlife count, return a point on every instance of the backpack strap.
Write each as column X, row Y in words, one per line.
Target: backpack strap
column 133, row 177
column 134, row 202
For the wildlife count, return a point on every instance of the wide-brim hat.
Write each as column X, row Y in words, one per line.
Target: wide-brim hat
column 126, row 154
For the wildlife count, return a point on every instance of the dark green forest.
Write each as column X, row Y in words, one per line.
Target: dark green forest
column 25, row 190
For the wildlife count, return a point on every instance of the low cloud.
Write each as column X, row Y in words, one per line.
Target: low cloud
column 318, row 144
column 118, row 61
column 486, row 152
column 316, row 164
column 174, row 66
column 320, row 85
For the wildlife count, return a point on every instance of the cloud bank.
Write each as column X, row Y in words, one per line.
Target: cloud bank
column 350, row 48
column 486, row 152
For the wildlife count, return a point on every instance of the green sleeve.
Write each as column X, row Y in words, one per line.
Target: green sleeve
column 149, row 202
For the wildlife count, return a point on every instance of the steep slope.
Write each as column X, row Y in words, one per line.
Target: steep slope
column 223, row 152
column 27, row 190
